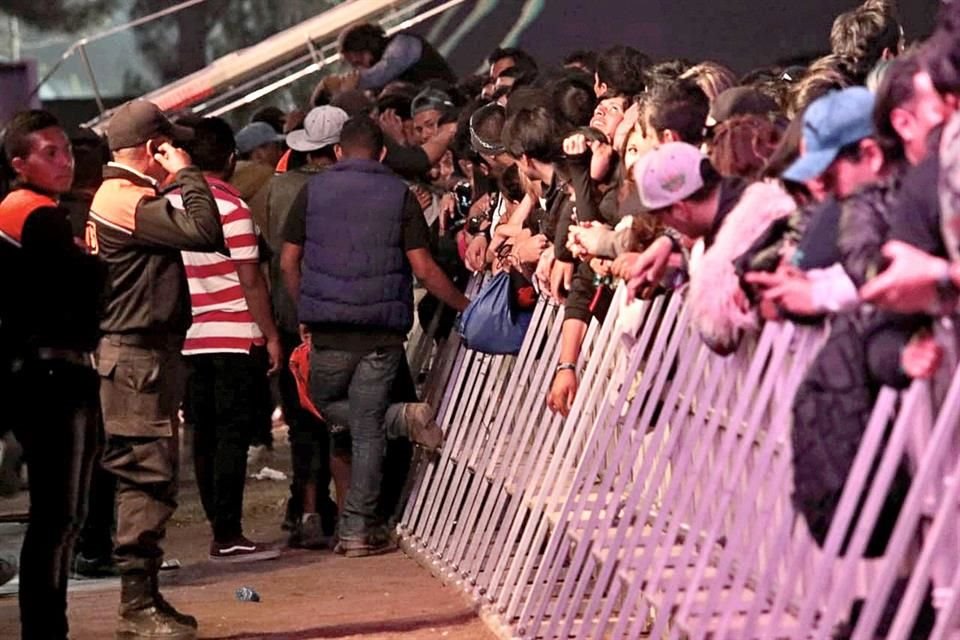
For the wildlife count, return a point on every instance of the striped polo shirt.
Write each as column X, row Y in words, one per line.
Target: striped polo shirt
column 222, row 322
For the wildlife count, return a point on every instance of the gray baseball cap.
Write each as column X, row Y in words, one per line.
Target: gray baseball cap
column 321, row 128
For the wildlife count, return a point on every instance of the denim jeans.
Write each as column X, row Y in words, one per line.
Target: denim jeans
column 365, row 381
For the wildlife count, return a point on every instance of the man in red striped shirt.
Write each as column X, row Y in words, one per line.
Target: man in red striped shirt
column 232, row 346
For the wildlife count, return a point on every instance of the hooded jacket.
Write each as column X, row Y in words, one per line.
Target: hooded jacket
column 718, row 305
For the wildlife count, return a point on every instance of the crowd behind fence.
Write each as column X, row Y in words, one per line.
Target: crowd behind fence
column 661, row 505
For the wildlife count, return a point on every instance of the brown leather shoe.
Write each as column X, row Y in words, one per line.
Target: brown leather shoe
column 422, row 429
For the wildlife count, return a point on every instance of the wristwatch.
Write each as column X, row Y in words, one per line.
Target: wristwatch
column 565, row 366
column 675, row 239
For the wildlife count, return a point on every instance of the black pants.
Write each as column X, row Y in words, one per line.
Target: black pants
column 96, row 535
column 309, row 446
column 225, row 394
column 59, row 443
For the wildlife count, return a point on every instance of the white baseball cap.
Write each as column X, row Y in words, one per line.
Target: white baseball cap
column 668, row 174
column 321, row 128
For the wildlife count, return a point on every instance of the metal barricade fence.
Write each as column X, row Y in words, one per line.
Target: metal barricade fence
column 660, row 506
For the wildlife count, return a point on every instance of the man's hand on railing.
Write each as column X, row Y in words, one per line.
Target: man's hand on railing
column 544, row 267
column 475, row 256
column 921, row 357
column 786, row 289
column 641, row 270
column 528, row 250
column 601, row 266
column 561, row 279
column 585, row 240
column 909, row 284
column 562, row 392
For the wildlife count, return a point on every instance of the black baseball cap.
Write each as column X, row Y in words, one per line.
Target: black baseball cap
column 741, row 101
column 140, row 120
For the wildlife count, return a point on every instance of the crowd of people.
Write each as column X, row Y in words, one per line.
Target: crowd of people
column 174, row 263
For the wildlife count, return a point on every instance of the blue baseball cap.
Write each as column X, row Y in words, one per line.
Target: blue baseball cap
column 255, row 135
column 830, row 123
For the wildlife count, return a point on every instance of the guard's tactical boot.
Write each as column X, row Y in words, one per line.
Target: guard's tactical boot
column 145, row 614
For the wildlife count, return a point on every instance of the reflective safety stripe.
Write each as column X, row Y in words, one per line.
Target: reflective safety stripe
column 16, row 208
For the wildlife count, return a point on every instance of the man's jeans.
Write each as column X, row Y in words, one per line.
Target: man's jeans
column 365, row 381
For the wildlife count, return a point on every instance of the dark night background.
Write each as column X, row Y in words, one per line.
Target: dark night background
column 744, row 34
column 741, row 33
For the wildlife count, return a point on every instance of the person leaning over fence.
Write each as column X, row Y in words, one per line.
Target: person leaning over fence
column 52, row 289
column 678, row 185
column 363, row 240
column 669, row 114
column 907, row 110
column 590, row 297
column 532, row 138
column 485, row 127
column 856, row 170
column 923, row 255
column 139, row 235
column 841, row 153
column 379, row 59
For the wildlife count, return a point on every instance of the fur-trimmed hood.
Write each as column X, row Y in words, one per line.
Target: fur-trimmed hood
column 719, row 306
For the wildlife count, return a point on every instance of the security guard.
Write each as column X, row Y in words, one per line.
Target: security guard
column 139, row 235
column 48, row 323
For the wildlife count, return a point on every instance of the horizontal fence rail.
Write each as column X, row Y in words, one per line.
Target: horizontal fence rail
column 660, row 506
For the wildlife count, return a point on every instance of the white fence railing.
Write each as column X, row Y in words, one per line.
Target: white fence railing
column 660, row 507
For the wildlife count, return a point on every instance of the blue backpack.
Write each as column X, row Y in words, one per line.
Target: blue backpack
column 490, row 324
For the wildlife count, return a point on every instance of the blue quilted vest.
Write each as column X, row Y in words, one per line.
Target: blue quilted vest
column 355, row 270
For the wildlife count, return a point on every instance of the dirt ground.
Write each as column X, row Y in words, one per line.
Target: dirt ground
column 304, row 594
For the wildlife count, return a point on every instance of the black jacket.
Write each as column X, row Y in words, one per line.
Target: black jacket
column 139, row 235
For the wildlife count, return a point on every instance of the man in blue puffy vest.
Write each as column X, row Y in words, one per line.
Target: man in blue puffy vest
column 364, row 239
